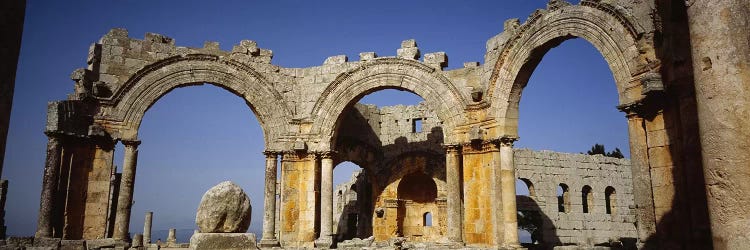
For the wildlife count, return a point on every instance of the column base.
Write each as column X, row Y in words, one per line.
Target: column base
column 324, row 242
column 268, row 243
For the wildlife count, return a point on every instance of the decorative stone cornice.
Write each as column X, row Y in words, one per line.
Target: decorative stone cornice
column 481, row 146
column 645, row 107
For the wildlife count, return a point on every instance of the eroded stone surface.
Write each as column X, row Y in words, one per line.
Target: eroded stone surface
column 225, row 208
column 224, row 241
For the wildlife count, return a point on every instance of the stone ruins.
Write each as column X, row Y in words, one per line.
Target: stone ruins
column 440, row 174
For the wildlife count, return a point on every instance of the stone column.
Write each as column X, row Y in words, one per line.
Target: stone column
column 508, row 192
column 453, row 181
column 721, row 66
column 641, row 171
column 147, row 228
column 49, row 184
column 269, row 202
column 125, row 198
column 325, row 239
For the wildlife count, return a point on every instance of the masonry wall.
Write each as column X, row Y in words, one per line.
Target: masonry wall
column 547, row 169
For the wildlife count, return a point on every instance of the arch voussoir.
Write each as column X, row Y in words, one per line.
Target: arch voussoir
column 604, row 30
column 437, row 91
column 130, row 106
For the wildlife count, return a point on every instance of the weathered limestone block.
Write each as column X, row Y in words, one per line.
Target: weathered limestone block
column 471, row 64
column 101, row 243
column 356, row 243
column 437, row 60
column 333, row 60
column 408, row 50
column 137, row 241
column 172, row 237
column 367, row 56
column 211, row 45
column 72, row 245
column 224, row 208
column 223, row 241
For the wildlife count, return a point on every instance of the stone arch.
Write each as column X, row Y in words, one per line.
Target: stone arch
column 417, row 186
column 610, row 200
column 529, row 186
column 438, row 92
column 563, row 198
column 587, row 199
column 147, row 86
column 608, row 30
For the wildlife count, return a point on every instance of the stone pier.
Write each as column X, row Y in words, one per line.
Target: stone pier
column 721, row 66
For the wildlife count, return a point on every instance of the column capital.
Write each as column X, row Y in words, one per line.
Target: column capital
column 327, row 154
column 131, row 143
column 271, row 154
column 507, row 141
column 504, row 141
column 452, row 148
column 645, row 107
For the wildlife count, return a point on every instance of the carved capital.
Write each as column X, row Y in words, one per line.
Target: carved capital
column 631, row 109
column 452, row 148
column 131, row 143
column 507, row 141
column 271, row 154
column 327, row 154
column 643, row 108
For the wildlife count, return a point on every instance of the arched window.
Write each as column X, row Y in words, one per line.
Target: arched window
column 610, row 199
column 563, row 198
column 586, row 198
column 529, row 187
column 427, row 219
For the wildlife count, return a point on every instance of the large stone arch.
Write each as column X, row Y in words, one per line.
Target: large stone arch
column 427, row 82
column 608, row 30
column 146, row 87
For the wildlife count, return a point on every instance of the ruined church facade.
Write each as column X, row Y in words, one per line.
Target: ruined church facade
column 310, row 123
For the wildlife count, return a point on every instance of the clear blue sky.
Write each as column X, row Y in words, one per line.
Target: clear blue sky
column 196, row 137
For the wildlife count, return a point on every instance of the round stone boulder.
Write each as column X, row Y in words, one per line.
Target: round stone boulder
column 225, row 208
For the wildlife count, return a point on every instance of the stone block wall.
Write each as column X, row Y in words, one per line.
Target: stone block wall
column 546, row 170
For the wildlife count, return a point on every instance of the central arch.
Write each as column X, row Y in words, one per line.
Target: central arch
column 144, row 88
column 439, row 93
